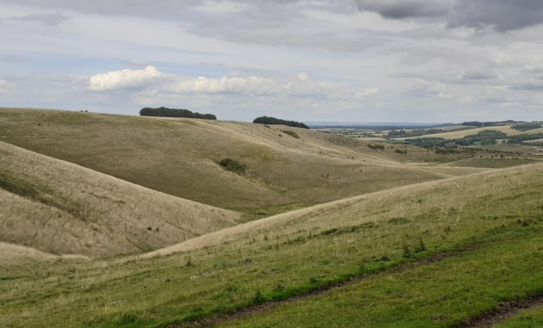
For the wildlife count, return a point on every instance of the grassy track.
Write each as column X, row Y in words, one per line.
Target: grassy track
column 443, row 294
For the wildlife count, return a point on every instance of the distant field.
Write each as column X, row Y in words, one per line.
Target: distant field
column 463, row 133
column 493, row 163
column 534, row 141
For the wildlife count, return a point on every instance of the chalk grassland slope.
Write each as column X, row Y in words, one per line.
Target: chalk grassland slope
column 61, row 208
column 180, row 156
column 496, row 214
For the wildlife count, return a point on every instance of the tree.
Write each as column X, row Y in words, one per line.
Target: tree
column 172, row 112
column 276, row 121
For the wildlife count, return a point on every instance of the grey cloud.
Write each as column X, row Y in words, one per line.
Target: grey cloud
column 165, row 8
column 13, row 59
column 536, row 73
column 531, row 86
column 478, row 75
column 45, row 19
column 502, row 15
column 399, row 9
column 113, row 7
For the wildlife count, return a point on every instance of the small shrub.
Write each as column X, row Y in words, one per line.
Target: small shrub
column 291, row 133
column 384, row 258
column 421, row 247
column 376, row 147
column 329, row 231
column 406, row 251
column 232, row 165
column 189, row 263
column 258, row 297
column 398, row 221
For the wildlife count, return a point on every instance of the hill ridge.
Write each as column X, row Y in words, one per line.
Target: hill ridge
column 230, row 233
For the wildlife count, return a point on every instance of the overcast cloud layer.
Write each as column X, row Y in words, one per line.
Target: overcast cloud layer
column 322, row 60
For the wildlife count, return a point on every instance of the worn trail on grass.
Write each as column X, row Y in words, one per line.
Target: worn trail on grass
column 270, row 305
column 505, row 311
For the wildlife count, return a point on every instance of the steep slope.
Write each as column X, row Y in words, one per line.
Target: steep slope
column 179, row 157
column 61, row 208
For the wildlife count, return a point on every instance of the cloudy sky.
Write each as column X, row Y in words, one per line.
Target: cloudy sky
column 321, row 60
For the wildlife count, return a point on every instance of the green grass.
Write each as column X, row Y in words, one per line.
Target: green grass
column 500, row 211
column 525, row 319
column 442, row 294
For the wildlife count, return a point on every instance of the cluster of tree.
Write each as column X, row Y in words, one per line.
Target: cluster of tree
column 428, row 142
column 276, row 121
column 524, row 137
column 413, row 133
column 526, row 126
column 480, row 124
column 487, row 137
column 172, row 112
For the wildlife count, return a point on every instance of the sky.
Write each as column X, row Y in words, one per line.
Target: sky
column 322, row 60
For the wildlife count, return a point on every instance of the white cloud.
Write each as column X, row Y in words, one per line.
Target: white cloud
column 238, row 85
column 428, row 89
column 4, row 86
column 125, row 79
column 302, row 77
column 366, row 93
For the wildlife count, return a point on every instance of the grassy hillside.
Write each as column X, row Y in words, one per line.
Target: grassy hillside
column 286, row 167
column 61, row 208
column 436, row 254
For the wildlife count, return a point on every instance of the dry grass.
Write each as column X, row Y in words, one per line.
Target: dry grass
column 179, row 157
column 61, row 208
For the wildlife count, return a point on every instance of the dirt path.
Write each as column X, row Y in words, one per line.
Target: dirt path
column 506, row 311
column 270, row 305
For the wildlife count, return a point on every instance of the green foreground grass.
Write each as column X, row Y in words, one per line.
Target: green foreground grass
column 501, row 211
column 442, row 294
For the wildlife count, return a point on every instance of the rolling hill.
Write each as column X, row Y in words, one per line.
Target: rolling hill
column 429, row 255
column 285, row 166
column 61, row 208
